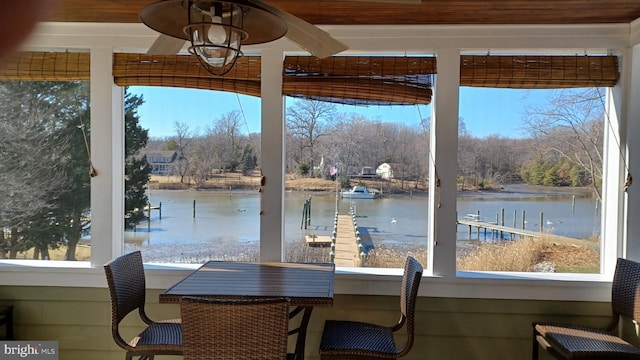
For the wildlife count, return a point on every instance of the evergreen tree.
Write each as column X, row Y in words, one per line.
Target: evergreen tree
column 45, row 164
column 137, row 170
column 551, row 176
column 171, row 145
column 533, row 172
column 75, row 202
column 249, row 160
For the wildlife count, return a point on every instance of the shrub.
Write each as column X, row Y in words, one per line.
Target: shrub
column 303, row 169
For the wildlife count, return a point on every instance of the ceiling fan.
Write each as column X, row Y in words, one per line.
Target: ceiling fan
column 235, row 23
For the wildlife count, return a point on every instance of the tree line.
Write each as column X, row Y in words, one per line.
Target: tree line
column 561, row 145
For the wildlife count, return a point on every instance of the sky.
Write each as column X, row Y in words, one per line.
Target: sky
column 485, row 111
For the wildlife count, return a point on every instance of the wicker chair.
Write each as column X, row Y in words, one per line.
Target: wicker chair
column 247, row 329
column 125, row 276
column 566, row 341
column 359, row 340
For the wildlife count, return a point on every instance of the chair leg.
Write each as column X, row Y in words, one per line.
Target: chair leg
column 534, row 350
column 10, row 326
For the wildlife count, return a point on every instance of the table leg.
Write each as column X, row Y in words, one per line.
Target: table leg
column 301, row 330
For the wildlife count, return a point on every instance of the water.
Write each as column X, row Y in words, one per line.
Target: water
column 231, row 220
column 560, row 217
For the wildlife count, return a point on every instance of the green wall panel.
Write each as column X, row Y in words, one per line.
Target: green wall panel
column 447, row 328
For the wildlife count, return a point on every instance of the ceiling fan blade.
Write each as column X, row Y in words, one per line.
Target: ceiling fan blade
column 310, row 37
column 410, row 2
column 166, row 45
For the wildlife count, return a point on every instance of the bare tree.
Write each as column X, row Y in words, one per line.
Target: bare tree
column 347, row 142
column 502, row 157
column 306, row 121
column 423, row 150
column 184, row 137
column 203, row 160
column 228, row 139
column 384, row 140
column 406, row 155
column 466, row 152
column 571, row 126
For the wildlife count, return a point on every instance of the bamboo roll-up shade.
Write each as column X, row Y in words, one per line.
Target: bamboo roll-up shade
column 46, row 66
column 360, row 80
column 538, row 72
column 185, row 71
column 342, row 79
column 243, row 87
column 353, row 92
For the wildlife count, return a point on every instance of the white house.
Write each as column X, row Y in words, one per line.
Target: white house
column 385, row 171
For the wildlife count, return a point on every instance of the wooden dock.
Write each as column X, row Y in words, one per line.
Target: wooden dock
column 318, row 240
column 345, row 251
column 498, row 231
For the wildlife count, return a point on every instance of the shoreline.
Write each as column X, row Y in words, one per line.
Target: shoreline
column 507, row 191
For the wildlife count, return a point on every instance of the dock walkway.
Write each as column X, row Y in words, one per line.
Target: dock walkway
column 346, row 252
column 501, row 230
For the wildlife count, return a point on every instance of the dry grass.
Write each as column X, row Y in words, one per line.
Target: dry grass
column 571, row 258
column 293, row 182
column 224, row 181
column 298, row 183
column 83, row 253
column 298, row 252
column 519, row 255
column 523, row 255
column 237, row 181
column 389, row 257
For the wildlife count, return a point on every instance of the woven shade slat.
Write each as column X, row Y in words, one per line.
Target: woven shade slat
column 243, row 87
column 359, row 65
column 139, row 65
column 538, row 72
column 351, row 91
column 46, row 66
column 360, row 80
column 185, row 71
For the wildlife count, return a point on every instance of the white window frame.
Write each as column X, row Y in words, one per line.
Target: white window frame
column 445, row 42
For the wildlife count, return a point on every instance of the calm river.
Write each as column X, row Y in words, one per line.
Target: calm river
column 223, row 219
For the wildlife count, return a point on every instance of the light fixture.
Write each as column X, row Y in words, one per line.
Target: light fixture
column 216, row 29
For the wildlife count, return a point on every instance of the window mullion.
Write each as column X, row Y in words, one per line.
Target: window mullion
column 444, row 165
column 272, row 159
column 107, row 155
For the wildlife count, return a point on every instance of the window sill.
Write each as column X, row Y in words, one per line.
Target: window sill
column 353, row 281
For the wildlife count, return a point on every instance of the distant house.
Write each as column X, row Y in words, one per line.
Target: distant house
column 162, row 162
column 365, row 172
column 398, row 171
column 385, row 171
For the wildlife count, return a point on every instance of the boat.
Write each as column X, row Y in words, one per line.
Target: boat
column 361, row 192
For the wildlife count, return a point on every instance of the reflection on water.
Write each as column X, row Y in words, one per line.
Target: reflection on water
column 221, row 220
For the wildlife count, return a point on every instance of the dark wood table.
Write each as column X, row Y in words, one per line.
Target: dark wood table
column 306, row 286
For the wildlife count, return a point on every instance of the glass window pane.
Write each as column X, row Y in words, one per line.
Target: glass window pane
column 361, row 172
column 530, row 172
column 201, row 201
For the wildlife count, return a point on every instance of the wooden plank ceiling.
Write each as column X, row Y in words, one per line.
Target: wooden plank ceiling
column 439, row 12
